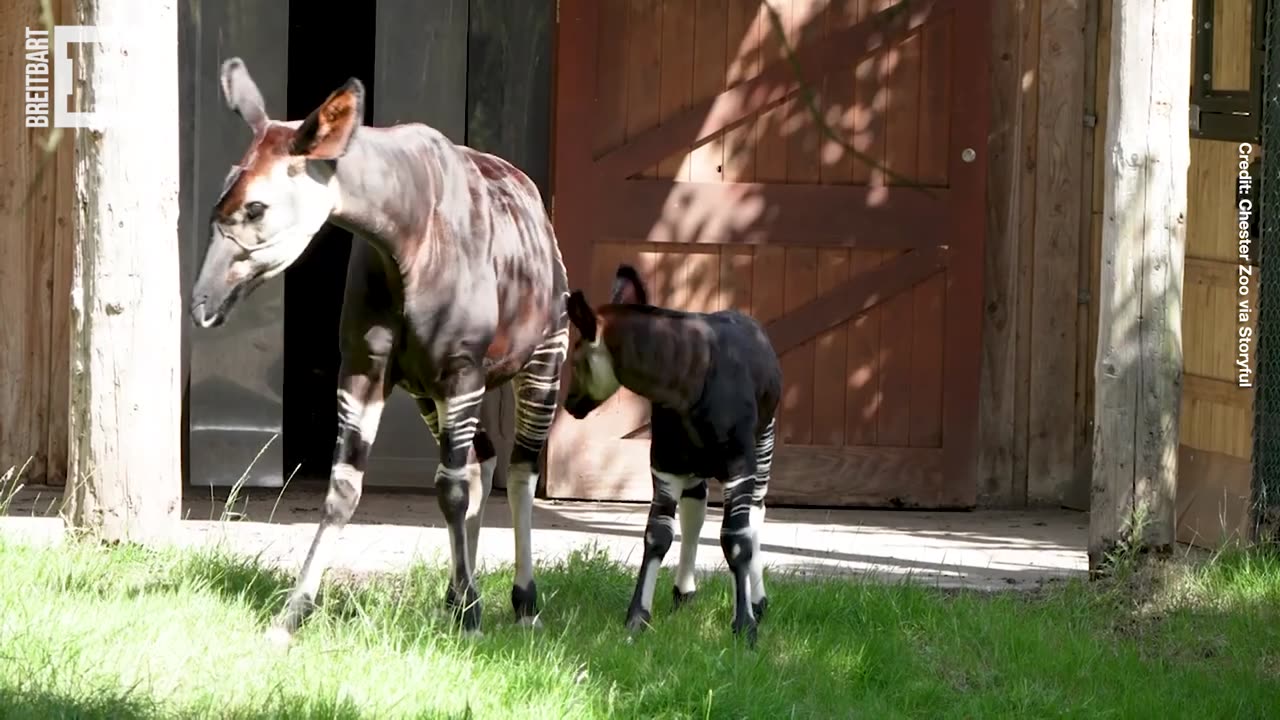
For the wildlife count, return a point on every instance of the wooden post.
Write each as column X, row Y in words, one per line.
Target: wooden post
column 1139, row 361
column 125, row 480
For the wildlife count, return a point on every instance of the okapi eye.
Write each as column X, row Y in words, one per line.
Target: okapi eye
column 254, row 210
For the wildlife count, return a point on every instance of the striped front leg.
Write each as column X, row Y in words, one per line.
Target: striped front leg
column 537, row 390
column 361, row 396
column 458, row 417
column 659, row 532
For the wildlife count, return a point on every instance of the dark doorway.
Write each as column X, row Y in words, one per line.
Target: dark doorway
column 313, row 286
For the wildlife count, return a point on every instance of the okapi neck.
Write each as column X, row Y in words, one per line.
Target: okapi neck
column 387, row 192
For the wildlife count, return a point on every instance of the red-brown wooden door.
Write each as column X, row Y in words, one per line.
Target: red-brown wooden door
column 686, row 144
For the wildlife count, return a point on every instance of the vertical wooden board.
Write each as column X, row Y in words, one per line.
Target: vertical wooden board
column 768, row 270
column 612, row 76
column 999, row 336
column 771, row 145
column 709, row 58
column 796, row 423
column 662, row 269
column 902, row 65
column 736, row 270
column 903, row 119
column 677, row 75
column 935, row 102
column 927, row 358
column 840, row 107
column 893, row 421
column 830, row 357
column 871, row 74
column 675, row 264
column 862, row 385
column 644, row 67
column 1232, row 31
column 701, row 279
column 1026, row 188
column 807, row 25
column 742, row 60
column 60, row 303
column 1056, row 263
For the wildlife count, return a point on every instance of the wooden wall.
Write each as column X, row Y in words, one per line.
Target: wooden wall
column 35, row 270
column 1044, row 188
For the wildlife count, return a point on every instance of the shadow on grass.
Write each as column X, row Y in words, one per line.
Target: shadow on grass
column 44, row 705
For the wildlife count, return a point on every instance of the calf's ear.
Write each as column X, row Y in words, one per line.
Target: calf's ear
column 628, row 289
column 582, row 316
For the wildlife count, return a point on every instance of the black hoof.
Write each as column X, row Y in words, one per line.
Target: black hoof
column 296, row 611
column 679, row 599
column 760, row 608
column 524, row 601
column 638, row 620
column 466, row 614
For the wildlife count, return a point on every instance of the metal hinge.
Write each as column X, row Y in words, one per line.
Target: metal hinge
column 1194, row 121
column 1083, row 297
column 1090, row 120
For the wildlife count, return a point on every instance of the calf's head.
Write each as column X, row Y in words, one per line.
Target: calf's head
column 277, row 197
column 594, row 379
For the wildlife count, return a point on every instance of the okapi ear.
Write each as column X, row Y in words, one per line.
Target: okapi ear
column 582, row 316
column 242, row 95
column 628, row 288
column 327, row 131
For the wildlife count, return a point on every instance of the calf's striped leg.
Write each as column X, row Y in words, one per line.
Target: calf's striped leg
column 360, row 401
column 692, row 510
column 764, row 467
column 659, row 532
column 739, row 540
column 459, row 418
column 536, row 389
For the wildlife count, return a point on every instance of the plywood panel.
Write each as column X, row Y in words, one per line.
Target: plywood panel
column 830, row 358
column 706, row 163
column 643, row 67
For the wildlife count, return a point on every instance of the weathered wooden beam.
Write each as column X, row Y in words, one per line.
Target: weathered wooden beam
column 1139, row 362
column 125, row 481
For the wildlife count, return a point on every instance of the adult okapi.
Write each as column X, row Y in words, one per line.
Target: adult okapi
column 713, row 382
column 457, row 287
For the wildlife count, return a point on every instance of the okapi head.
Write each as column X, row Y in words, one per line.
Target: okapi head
column 277, row 198
column 594, row 377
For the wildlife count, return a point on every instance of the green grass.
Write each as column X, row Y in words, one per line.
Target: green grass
column 96, row 633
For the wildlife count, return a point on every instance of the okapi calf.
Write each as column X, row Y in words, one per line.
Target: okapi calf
column 457, row 287
column 713, row 381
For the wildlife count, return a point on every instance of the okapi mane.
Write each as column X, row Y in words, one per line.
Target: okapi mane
column 661, row 354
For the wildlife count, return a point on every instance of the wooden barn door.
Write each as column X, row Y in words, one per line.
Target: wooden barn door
column 687, row 145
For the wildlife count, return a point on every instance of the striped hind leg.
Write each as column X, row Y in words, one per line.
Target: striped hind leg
column 537, row 390
column 458, row 419
column 764, row 466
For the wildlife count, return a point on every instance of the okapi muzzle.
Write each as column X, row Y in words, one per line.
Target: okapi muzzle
column 276, row 199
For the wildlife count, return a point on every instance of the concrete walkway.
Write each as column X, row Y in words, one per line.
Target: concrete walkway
column 980, row 549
